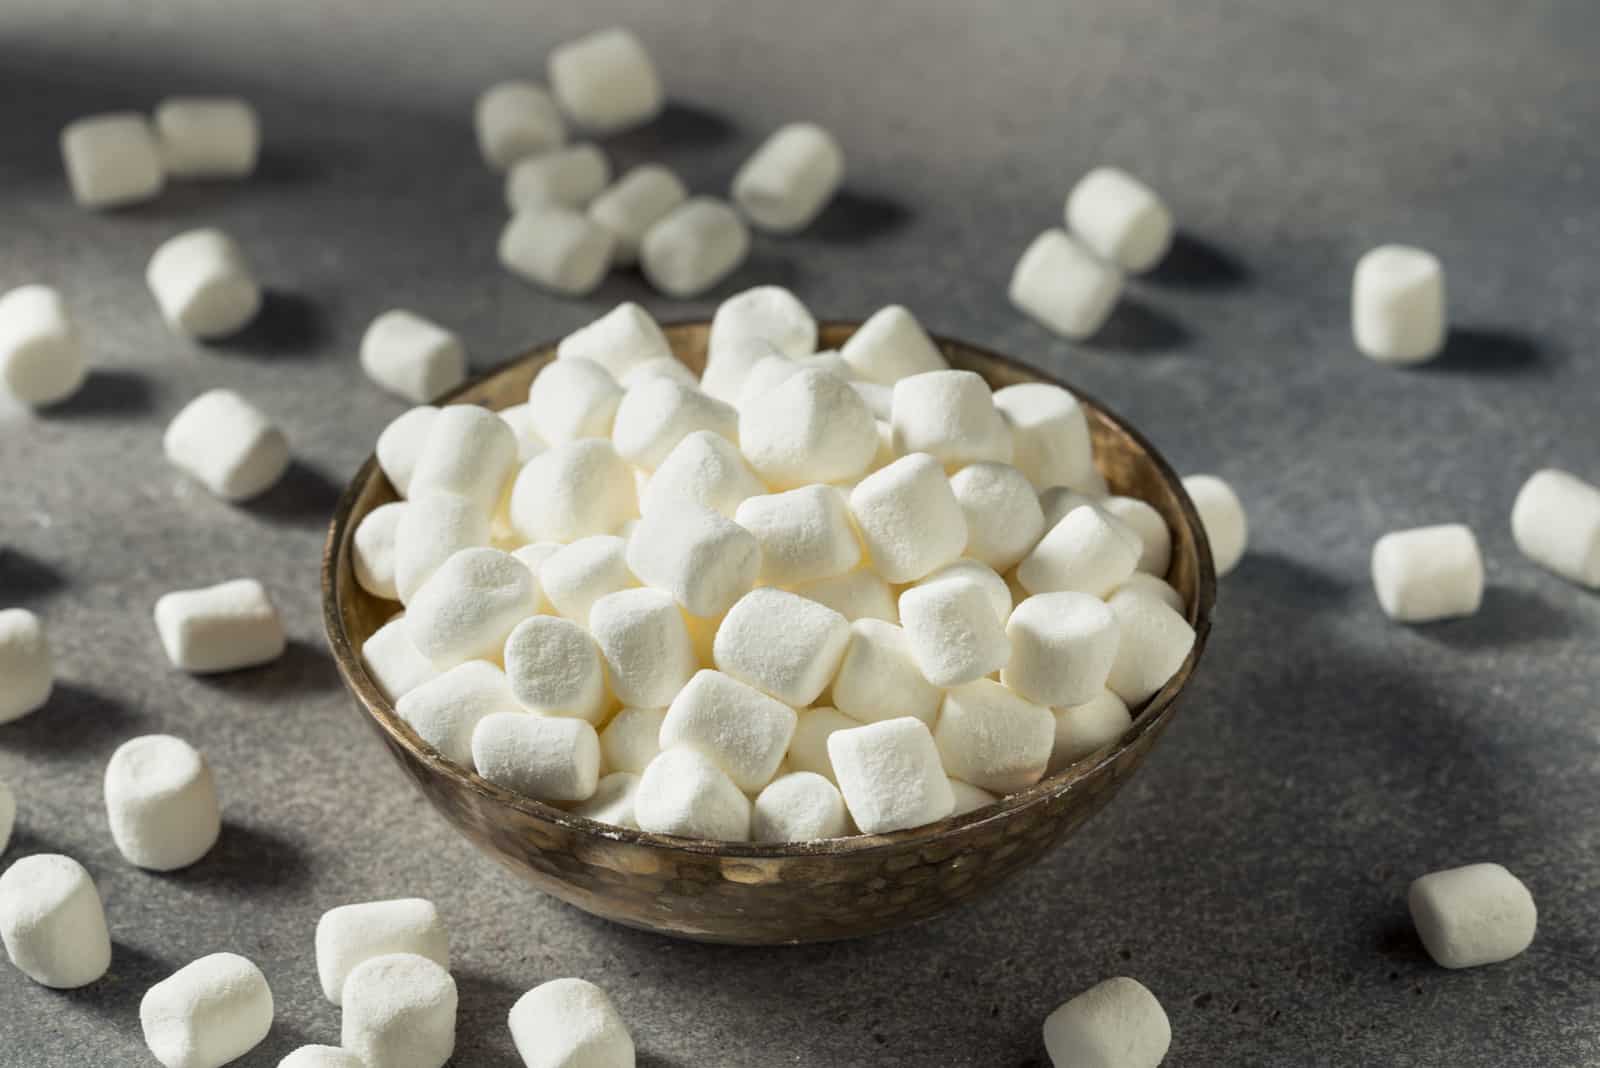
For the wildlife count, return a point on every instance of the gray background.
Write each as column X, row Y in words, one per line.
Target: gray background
column 1254, row 874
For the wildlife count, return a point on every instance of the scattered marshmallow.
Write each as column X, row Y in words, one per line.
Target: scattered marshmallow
column 207, row 136
column 952, row 631
column 470, row 452
column 1155, row 540
column 738, row 728
column 27, row 672
column 950, row 415
column 575, row 576
column 612, row 801
column 220, row 628
column 808, row 750
column 1049, row 436
column 573, row 490
column 400, row 1012
column 1004, row 520
column 1428, row 573
column 41, row 356
column 1477, row 914
column 226, row 444
column 203, row 285
column 570, row 1023
column 782, row 644
column 1120, row 218
column 695, row 246
column 1089, row 551
column 547, row 758
column 639, row 199
column 557, row 248
column 996, row 587
column 1087, row 728
column 412, row 357
column 162, row 803
column 658, row 413
column 1116, row 1023
column 1144, row 582
column 52, row 923
column 568, row 177
column 805, row 534
column 879, row 679
column 648, row 651
column 682, row 792
column 619, row 340
column 606, row 81
column 703, row 559
column 400, row 444
column 1062, row 648
column 787, row 182
column 350, row 935
column 372, row 550
column 1063, row 286
column 891, row 345
column 321, row 1057
column 469, row 606
column 445, row 709
column 801, row 806
column 112, row 159
column 704, row 469
column 1556, row 524
column 632, row 739
column 1397, row 305
column 890, row 775
column 910, row 521
column 207, row 1013
column 434, row 528
column 514, row 120
column 1222, row 517
column 862, row 594
column 555, row 669
column 1155, row 641
column 393, row 662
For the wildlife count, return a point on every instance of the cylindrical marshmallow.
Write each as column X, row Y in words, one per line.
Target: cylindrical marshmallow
column 953, row 631
column 555, row 669
column 805, row 534
column 27, row 672
column 1088, row 727
column 1116, row 1023
column 557, row 248
column 570, row 1023
column 1397, row 305
column 703, row 559
column 811, row 427
column 434, row 528
column 444, row 710
column 1145, row 582
column 207, row 136
column 469, row 451
column 227, row 444
column 891, row 345
column 1062, row 648
column 620, row 340
column 879, row 678
column 695, row 246
column 890, row 776
column 1155, row 641
column 575, row 576
column 799, row 807
column 649, row 654
column 658, row 413
column 372, row 550
column 41, row 356
column 203, row 285
column 516, row 119
column 1120, row 218
column 909, row 519
column 808, row 750
column 1155, row 540
column 469, row 606
column 1223, row 518
column 1428, row 573
column 573, row 490
column 112, row 159
column 950, row 415
column 573, row 398
column 1477, row 914
column 682, row 792
column 992, row 738
column 737, row 727
column 412, row 357
column 639, row 199
column 350, row 935
column 1089, row 551
column 220, row 628
column 997, row 588
column 1063, row 286
column 566, row 177
column 782, row 644
column 207, row 1013
column 787, row 182
column 547, row 758
column 1556, row 524
column 1004, row 520
column 162, row 802
column 400, row 1012
column 1049, row 436
column 769, row 314
column 393, row 662
column 632, row 739
column 606, row 80
column 703, row 469
column 52, row 923
column 401, row 443
column 969, row 798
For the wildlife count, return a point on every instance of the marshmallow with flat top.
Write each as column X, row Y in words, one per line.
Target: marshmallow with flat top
column 606, row 80
column 805, row 534
column 573, row 490
column 1477, row 914
column 950, row 415
column 557, row 248
column 1144, row 582
column 203, row 285
column 41, row 357
column 547, row 758
column 765, row 313
column 516, row 119
column 612, row 801
column 861, row 594
column 446, row 709
column 1155, row 540
column 372, row 550
column 570, row 1023
column 952, row 630
column 400, row 444
column 1223, row 518
column 703, row 559
column 470, row 452
column 993, row 585
column 1428, row 573
column 737, row 727
column 161, row 800
column 704, row 469
column 554, row 669
column 434, row 528
column 1062, row 648
column 1120, row 218
column 52, row 923
column 112, row 159
column 632, row 739
column 682, row 792
column 575, row 576
column 620, row 340
column 1063, row 286
column 992, row 738
column 207, row 136
column 412, row 357
column 658, row 413
column 890, row 775
column 393, row 662
column 1087, row 728
column 1049, row 436
column 782, row 644
column 1004, row 520
column 695, row 246
column 349, row 935
column 1397, row 305
column 636, row 202
column 808, row 750
column 469, row 606
column 219, row 628
column 209, row 1012
column 321, row 1057
column 801, row 806
column 787, row 182
column 909, row 519
column 568, row 177
column 1089, row 551
column 1116, row 1023
column 891, row 345
column 879, row 678
column 1154, row 642
column 226, row 444
column 400, row 1012
column 27, row 672
column 647, row 648
column 1556, row 524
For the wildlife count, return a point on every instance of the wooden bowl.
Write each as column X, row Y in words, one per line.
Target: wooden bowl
column 771, row 894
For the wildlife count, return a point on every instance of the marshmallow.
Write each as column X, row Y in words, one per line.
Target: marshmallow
column 704, row 469
column 1144, row 582
column 1556, row 524
column 514, row 120
column 203, row 285
column 1222, row 517
column 1477, row 914
column 209, row 1012
column 782, row 644
column 41, row 357
column 1049, row 436
column 769, row 314
column 805, row 534
column 1116, row 1023
column 891, row 345
column 619, row 340
column 8, row 815
column 393, row 662
column 350, row 935
column 879, row 679
column 695, row 246
column 952, row 630
column 570, row 1023
column 658, row 413
column 1063, row 286
column 969, row 798
column 862, row 594
column 1062, row 648
column 1087, row 728
column 880, row 402
column 566, row 177
column 992, row 738
column 372, row 550
column 648, row 651
column 1120, row 218
column 787, row 182
column 555, row 669
column 470, row 452
column 547, row 758
column 226, row 444
column 27, row 672
column 738, row 728
column 766, row 374
column 606, row 80
column 434, row 528
column 661, row 367
column 469, row 606
column 632, row 739
column 1428, row 573
column 730, row 365
column 1004, row 520
column 401, row 443
column 908, row 517
column 444, row 710
column 321, row 1057
column 557, row 248
column 400, row 1012
column 801, row 806
column 573, row 490
column 207, row 136
column 1155, row 540
column 1057, row 501
column 682, row 792
column 639, row 199
column 162, row 803
column 575, row 576
column 950, row 415
column 412, row 357
column 703, row 559
column 52, row 922
column 996, row 587
column 219, row 628
column 890, row 776
column 1089, row 551
column 808, row 750
column 612, row 801
column 1155, row 641
column 532, row 556
column 1397, row 305
column 112, row 159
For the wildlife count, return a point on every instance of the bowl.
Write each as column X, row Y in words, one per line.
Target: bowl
column 771, row 894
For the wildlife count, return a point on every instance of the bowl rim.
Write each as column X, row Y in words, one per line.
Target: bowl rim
column 1152, row 717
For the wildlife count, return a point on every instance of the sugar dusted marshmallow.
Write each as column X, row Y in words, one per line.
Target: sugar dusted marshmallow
column 737, row 727
column 658, row 413
column 801, row 806
column 808, row 750
column 557, row 249
column 470, row 452
column 1004, row 520
column 52, row 923
column 697, row 245
column 209, row 1012
column 861, row 594
column 787, row 182
column 704, row 469
column 321, row 1057
column 1120, row 218
column 632, row 739
column 1223, row 518
column 203, row 285
column 682, row 792
column 400, row 444
column 112, row 159
column 879, row 678
column 996, row 587
column 372, row 550
column 969, row 798
column 1477, row 914
column 1155, row 540
column 469, row 606
column 219, row 628
column 41, row 356
column 703, row 559
column 1428, row 573
column 568, row 177
column 805, row 534
column 639, row 199
column 1116, row 1023
column 612, row 801
column 891, row 345
column 992, row 738
column 619, row 340
column 1397, row 305
column 1062, row 648
column 573, row 490
column 1556, row 524
column 162, row 802
column 890, row 775
column 1064, row 286
column 412, row 357
column 1154, row 643
column 445, row 709
column 1144, row 582
column 910, row 521
column 547, row 758
column 648, row 652
column 952, row 630
column 1088, row 727
column 400, row 1012
column 227, row 444
column 434, row 528
column 207, row 136
column 570, row 1023
column 514, row 120
column 1089, row 551
column 782, row 644
column 575, row 576
column 349, row 935
column 606, row 80
column 1049, row 436
column 950, row 415
column 393, row 662
column 765, row 313
column 555, row 669
column 27, row 672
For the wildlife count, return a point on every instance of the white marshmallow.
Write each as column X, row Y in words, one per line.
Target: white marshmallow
column 969, row 798
column 769, row 314
column 787, row 182
column 570, row 1023
column 568, row 177
column 648, row 651
column 612, row 801
column 880, row 402
column 1477, row 914
column 207, row 136
column 682, row 792
column 575, row 576
column 1556, row 524
column 393, row 662
column 209, row 1012
column 573, row 490
column 879, row 679
column 8, row 815
column 767, row 373
column 321, row 1057
column 861, row 594
column 112, row 159
column 219, row 628
column 1223, row 518
column 446, row 709
column 910, row 521
column 661, row 367
column 350, row 935
column 470, row 452
column 412, row 357
column 704, row 469
column 516, row 119
column 41, row 356
column 738, row 728
column 1428, row 573
column 1062, row 648
column 1087, row 728
column 703, row 559
column 952, row 631
column 1155, row 540
column 372, row 550
column 227, row 445
column 1057, row 501
column 469, row 606
column 606, row 80
column 1089, row 551
column 695, row 246
column 808, row 750
column 992, row 738
column 161, row 800
column 950, row 415
column 203, row 285
column 731, row 364
column 1004, row 520
column 557, row 248
column 890, row 775
column 27, row 671
column 555, row 670
column 805, row 534
column 1144, row 582
column 52, row 923
column 801, row 806
column 434, row 528
column 632, row 739
column 658, row 413
column 400, row 1012
column 532, row 556
column 401, row 443
column 1397, row 305
column 639, row 199
column 996, row 587
column 1063, row 286
column 782, row 644
column 619, row 340
column 1155, row 641
column 1117, row 1023
column 1049, row 436
column 1120, row 218
column 891, row 345
column 547, row 758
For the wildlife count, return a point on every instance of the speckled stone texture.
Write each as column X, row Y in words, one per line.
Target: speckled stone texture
column 1253, row 874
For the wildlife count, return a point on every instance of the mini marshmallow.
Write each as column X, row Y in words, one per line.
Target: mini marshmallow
column 393, row 662
column 969, row 798
column 207, row 136
column 658, row 413
column 1428, row 573
column 412, row 357
column 891, row 345
column 41, row 357
column 469, row 606
column 434, row 528
column 400, row 1012
column 568, row 177
column 909, row 519
column 470, row 452
column 1004, row 520
column 557, row 248
column 703, row 559
column 350, row 935
column 372, row 550
column 787, row 182
column 1155, row 540
column 661, row 367
column 1120, row 218
column 1087, row 728
column 682, row 792
column 1397, row 305
column 695, row 246
column 1062, row 285
column 27, row 672
column 808, row 750
column 996, row 587
column 321, row 1057
column 555, row 669
column 400, row 444
column 770, row 314
column 632, row 739
column 704, row 469
column 52, row 923
column 768, row 373
column 532, row 556
column 203, row 285
column 1062, row 648
column 162, row 803
column 879, row 679
column 737, row 727
column 1477, row 914
column 619, row 340
column 112, row 159
column 1057, row 501
column 1144, row 582
column 219, row 628
column 1223, row 518
column 782, row 644
column 950, row 415
column 639, row 199
column 730, row 365
column 805, row 534
column 612, row 801
column 516, row 119
column 952, row 631
column 801, row 806
column 575, row 576
column 880, row 402
column 8, row 815
column 573, row 490
column 570, row 1023
column 1155, row 641
column 1049, row 436
column 890, row 775
column 606, row 80
column 862, row 594
column 1089, row 551
column 547, row 758
column 226, row 444
column 1116, row 1023
column 444, row 710
column 207, row 1013
column 1556, row 524
column 992, row 738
